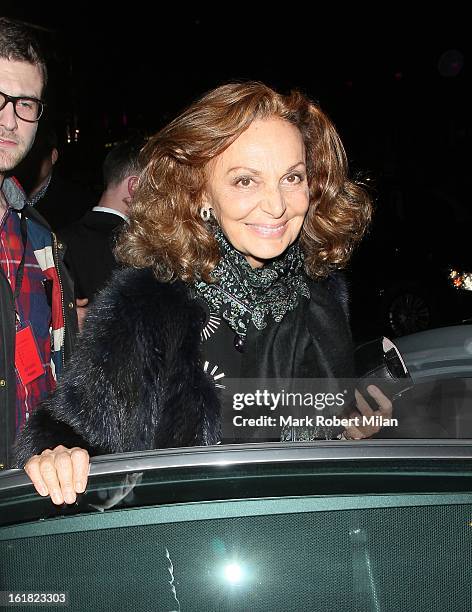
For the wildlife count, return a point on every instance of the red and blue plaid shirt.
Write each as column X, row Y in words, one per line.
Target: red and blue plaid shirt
column 32, row 307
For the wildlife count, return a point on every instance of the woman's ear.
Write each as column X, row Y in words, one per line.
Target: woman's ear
column 205, row 200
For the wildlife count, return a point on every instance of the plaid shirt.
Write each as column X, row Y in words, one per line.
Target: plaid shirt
column 32, row 306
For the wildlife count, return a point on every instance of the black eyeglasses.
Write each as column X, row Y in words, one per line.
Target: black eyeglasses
column 27, row 109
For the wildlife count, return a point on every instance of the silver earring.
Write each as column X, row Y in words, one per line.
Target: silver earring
column 205, row 213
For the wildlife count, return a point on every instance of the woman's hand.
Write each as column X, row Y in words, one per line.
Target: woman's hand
column 384, row 411
column 60, row 473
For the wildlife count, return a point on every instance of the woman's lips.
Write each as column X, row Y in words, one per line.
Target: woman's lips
column 268, row 230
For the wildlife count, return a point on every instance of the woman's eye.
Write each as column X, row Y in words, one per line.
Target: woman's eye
column 244, row 181
column 294, row 179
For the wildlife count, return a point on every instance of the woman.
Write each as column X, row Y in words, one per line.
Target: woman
column 242, row 212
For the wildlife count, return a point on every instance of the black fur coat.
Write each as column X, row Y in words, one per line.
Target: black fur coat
column 136, row 382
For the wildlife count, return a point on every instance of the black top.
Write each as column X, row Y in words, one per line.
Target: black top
column 265, row 324
column 89, row 250
column 279, row 352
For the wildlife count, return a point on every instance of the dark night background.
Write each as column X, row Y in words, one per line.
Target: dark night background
column 395, row 85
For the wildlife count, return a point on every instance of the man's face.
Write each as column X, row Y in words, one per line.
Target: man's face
column 16, row 135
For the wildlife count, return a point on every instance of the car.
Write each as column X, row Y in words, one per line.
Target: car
column 439, row 403
column 377, row 525
column 399, row 290
column 413, row 271
column 383, row 524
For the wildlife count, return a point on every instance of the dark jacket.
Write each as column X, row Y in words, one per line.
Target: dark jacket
column 136, row 380
column 64, row 202
column 7, row 338
column 89, row 256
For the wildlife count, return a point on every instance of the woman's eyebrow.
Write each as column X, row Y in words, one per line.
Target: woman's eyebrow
column 245, row 168
column 254, row 171
column 300, row 163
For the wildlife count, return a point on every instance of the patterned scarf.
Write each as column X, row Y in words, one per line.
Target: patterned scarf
column 242, row 294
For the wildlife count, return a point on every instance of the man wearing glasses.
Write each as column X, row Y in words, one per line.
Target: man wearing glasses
column 37, row 314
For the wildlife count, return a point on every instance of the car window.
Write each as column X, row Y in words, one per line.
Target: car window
column 296, row 554
column 349, row 535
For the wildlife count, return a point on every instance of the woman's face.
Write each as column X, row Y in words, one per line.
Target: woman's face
column 258, row 189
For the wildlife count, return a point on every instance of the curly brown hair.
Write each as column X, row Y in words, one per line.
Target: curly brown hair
column 166, row 231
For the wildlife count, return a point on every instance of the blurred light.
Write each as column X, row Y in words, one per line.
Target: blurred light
column 233, row 573
column 109, row 145
column 461, row 280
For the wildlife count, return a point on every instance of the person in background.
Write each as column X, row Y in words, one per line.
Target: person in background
column 242, row 214
column 59, row 200
column 38, row 322
column 38, row 167
column 90, row 241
